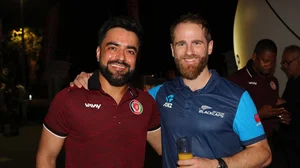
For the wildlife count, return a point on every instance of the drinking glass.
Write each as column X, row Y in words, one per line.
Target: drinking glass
column 184, row 147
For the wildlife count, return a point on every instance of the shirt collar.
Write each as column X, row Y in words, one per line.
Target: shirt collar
column 209, row 87
column 250, row 69
column 94, row 84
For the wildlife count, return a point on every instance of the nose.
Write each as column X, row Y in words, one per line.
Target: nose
column 270, row 64
column 189, row 50
column 121, row 55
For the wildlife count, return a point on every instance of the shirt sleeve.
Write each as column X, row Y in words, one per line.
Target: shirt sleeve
column 56, row 119
column 153, row 91
column 247, row 123
column 241, row 77
column 154, row 123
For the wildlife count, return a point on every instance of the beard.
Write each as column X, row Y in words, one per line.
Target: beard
column 118, row 78
column 191, row 72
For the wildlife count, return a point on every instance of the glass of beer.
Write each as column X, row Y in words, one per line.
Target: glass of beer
column 184, row 147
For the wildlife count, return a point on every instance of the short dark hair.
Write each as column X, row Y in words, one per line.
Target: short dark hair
column 124, row 22
column 191, row 18
column 265, row 45
column 291, row 49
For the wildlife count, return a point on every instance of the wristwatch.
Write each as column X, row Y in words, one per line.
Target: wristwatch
column 222, row 163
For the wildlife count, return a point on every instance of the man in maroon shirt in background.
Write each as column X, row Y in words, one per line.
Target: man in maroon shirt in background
column 107, row 126
column 257, row 78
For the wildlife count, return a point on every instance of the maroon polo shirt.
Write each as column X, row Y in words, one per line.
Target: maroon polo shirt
column 263, row 91
column 99, row 132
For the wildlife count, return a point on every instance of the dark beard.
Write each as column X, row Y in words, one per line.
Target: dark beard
column 117, row 79
column 193, row 71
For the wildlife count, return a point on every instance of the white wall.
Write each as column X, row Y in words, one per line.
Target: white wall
column 255, row 20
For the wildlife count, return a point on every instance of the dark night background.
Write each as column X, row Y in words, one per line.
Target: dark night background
column 80, row 20
column 77, row 23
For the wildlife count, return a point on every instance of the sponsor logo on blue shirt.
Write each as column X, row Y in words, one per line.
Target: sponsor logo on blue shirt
column 169, row 100
column 204, row 109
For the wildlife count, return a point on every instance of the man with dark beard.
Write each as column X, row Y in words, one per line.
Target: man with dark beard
column 219, row 116
column 108, row 125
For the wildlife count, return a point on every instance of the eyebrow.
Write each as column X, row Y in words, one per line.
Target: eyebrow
column 183, row 41
column 116, row 44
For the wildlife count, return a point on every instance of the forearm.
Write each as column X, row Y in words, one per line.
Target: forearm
column 263, row 115
column 250, row 158
column 266, row 114
column 48, row 150
column 157, row 148
column 45, row 162
column 154, row 139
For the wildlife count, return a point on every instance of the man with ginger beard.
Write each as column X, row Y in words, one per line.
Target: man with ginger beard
column 218, row 115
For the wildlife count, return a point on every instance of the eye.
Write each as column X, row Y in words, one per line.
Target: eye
column 284, row 63
column 180, row 44
column 131, row 52
column 265, row 61
column 197, row 42
column 112, row 48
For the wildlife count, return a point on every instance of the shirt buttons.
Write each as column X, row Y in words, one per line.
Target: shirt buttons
column 188, row 103
column 119, row 122
column 115, row 117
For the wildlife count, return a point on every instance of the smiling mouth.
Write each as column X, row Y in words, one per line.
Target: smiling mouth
column 189, row 60
column 118, row 67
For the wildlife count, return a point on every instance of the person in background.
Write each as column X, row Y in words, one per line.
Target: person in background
column 290, row 63
column 258, row 79
column 108, row 125
column 218, row 115
column 170, row 74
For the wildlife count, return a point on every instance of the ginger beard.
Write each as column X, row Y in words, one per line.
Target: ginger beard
column 117, row 78
column 189, row 71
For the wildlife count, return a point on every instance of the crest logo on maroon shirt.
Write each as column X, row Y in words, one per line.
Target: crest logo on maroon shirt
column 136, row 107
column 273, row 85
